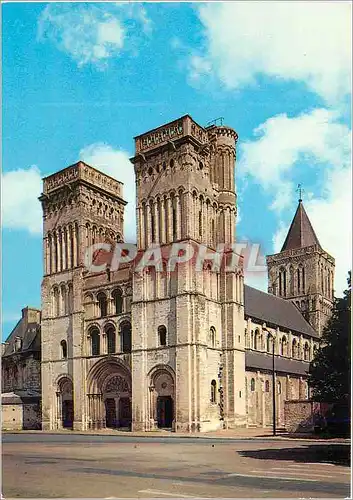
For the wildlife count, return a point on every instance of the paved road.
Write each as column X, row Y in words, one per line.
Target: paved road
column 81, row 466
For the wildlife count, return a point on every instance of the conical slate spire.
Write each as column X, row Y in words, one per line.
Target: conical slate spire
column 301, row 233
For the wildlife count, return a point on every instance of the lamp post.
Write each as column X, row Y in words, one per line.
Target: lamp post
column 273, row 385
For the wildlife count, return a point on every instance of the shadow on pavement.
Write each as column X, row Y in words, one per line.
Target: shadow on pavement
column 338, row 454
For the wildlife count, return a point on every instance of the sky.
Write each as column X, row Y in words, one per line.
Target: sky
column 80, row 80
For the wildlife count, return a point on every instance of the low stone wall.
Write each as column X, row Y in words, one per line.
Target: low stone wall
column 302, row 415
column 20, row 416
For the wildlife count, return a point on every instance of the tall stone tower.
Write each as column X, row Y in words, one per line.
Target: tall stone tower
column 81, row 206
column 186, row 194
column 303, row 272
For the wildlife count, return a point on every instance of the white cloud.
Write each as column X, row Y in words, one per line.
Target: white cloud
column 316, row 141
column 20, row 206
column 21, row 189
column 296, row 41
column 115, row 163
column 282, row 144
column 91, row 33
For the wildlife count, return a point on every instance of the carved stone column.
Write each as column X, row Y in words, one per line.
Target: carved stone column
column 169, row 220
column 156, row 222
column 148, row 225
column 51, row 254
column 59, row 418
column 178, row 216
column 64, row 248
column 163, row 221
column 90, row 411
column 103, row 343
column 59, row 249
column 69, row 256
column 74, row 246
column 139, row 226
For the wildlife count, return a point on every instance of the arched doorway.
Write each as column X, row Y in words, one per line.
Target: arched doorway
column 117, row 401
column 65, row 405
column 109, row 395
column 162, row 398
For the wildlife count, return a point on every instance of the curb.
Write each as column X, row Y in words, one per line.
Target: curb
column 185, row 436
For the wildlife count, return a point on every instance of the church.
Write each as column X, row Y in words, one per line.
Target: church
column 188, row 350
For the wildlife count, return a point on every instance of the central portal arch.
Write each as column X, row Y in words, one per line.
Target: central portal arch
column 109, row 395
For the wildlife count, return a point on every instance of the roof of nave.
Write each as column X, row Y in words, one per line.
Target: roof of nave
column 301, row 233
column 275, row 310
column 27, row 332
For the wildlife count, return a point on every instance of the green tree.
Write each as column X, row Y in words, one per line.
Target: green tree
column 330, row 370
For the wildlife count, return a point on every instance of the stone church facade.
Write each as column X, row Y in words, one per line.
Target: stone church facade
column 185, row 349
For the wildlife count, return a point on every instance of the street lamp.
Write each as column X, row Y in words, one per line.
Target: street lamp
column 273, row 383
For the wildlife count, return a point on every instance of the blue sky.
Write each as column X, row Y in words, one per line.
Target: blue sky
column 81, row 79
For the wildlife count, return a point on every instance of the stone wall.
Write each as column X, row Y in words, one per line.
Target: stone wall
column 300, row 415
column 20, row 416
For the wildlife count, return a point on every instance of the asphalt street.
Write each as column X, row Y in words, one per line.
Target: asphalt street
column 82, row 466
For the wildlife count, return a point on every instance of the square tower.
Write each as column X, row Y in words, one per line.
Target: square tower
column 81, row 207
column 186, row 195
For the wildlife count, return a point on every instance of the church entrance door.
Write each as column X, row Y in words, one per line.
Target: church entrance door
column 68, row 414
column 110, row 413
column 125, row 412
column 164, row 412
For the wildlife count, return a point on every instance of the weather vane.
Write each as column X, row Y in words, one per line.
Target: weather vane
column 300, row 190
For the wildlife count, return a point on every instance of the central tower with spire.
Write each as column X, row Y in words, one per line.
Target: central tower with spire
column 303, row 272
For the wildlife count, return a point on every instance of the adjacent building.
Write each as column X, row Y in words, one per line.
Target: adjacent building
column 21, row 374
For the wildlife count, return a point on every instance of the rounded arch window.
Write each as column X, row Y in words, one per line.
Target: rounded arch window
column 213, row 336
column 150, row 171
column 111, row 338
column 63, row 345
column 126, row 341
column 269, row 343
column 306, row 351
column 267, row 386
column 95, row 341
column 256, row 339
column 252, row 385
column 102, row 304
column 213, row 391
column 164, row 166
column 118, row 300
column 162, row 335
column 200, row 165
column 279, row 387
column 171, row 163
column 283, row 346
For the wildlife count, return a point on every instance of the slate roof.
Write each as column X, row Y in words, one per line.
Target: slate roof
column 20, row 396
column 29, row 334
column 263, row 361
column 276, row 311
column 301, row 233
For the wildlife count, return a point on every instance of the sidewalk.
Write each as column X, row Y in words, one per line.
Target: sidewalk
column 241, row 433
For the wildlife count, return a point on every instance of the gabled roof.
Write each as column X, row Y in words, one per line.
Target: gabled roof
column 27, row 331
column 271, row 309
column 301, row 233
